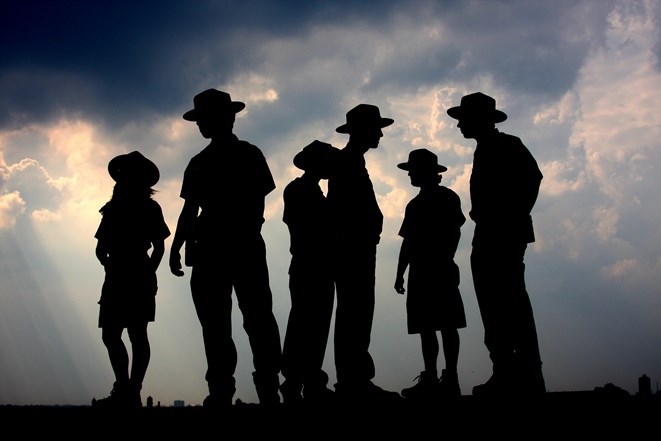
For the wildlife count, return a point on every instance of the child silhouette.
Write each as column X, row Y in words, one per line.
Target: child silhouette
column 132, row 223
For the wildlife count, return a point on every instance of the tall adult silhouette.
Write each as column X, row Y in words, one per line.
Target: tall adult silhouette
column 504, row 186
column 431, row 230
column 358, row 223
column 311, row 283
column 226, row 183
column 132, row 223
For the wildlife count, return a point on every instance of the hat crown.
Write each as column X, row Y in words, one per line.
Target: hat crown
column 422, row 159
column 362, row 116
column 317, row 155
column 133, row 168
column 477, row 102
column 477, row 106
column 212, row 102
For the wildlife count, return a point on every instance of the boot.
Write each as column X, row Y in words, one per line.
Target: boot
column 448, row 387
column 267, row 387
column 425, row 388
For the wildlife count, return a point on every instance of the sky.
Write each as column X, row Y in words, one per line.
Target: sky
column 82, row 82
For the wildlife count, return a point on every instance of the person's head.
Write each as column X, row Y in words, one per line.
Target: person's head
column 134, row 174
column 214, row 112
column 476, row 115
column 317, row 159
column 423, row 167
column 364, row 124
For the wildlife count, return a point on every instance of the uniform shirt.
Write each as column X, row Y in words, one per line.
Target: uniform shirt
column 504, row 185
column 432, row 223
column 228, row 181
column 356, row 213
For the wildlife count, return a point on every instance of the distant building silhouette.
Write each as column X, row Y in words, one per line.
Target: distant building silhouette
column 644, row 386
column 179, row 403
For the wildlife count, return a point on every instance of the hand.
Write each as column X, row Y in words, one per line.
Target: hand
column 399, row 285
column 175, row 264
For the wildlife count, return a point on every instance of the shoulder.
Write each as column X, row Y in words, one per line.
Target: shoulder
column 249, row 148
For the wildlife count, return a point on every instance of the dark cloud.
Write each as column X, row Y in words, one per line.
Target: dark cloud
column 116, row 60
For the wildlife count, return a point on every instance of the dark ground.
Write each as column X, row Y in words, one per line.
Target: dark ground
column 566, row 414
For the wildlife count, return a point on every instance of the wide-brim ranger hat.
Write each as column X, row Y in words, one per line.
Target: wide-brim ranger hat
column 133, row 168
column 422, row 160
column 212, row 102
column 364, row 116
column 317, row 156
column 477, row 106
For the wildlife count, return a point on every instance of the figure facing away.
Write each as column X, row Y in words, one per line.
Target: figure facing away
column 227, row 183
column 311, row 283
column 132, row 223
column 358, row 222
column 504, row 186
column 431, row 230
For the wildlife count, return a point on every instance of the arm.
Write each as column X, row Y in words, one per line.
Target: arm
column 402, row 264
column 186, row 219
column 101, row 252
column 157, row 253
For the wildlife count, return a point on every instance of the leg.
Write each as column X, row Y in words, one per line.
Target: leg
column 449, row 385
column 141, row 352
column 119, row 357
column 450, row 338
column 354, row 315
column 256, row 303
column 427, row 385
column 212, row 297
column 430, row 349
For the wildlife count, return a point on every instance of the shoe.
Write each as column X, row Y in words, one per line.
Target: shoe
column 379, row 395
column 291, row 392
column 216, row 402
column 267, row 386
column 425, row 388
column 319, row 395
column 531, row 384
column 495, row 387
column 364, row 393
column 448, row 387
column 121, row 397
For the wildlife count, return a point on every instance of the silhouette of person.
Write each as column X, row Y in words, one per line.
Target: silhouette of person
column 431, row 230
column 504, row 186
column 311, row 283
column 132, row 223
column 358, row 222
column 227, row 183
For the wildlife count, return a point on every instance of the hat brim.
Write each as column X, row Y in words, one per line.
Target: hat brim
column 132, row 163
column 347, row 128
column 496, row 116
column 437, row 168
column 195, row 114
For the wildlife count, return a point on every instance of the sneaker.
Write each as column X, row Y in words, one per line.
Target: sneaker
column 425, row 388
column 448, row 387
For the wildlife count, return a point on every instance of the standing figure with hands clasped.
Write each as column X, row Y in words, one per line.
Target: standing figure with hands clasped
column 504, row 186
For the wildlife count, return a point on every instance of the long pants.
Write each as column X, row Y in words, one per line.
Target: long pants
column 312, row 293
column 239, row 265
column 510, row 334
column 355, row 285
